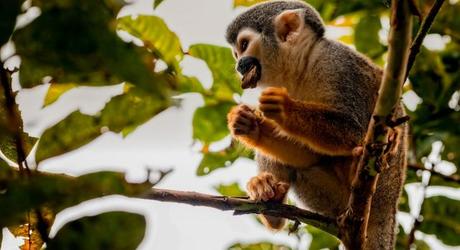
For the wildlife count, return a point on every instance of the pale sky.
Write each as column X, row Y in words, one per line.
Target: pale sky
column 162, row 142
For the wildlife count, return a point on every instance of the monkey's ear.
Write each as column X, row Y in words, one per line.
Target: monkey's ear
column 288, row 24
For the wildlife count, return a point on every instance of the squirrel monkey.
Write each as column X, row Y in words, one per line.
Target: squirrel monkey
column 317, row 100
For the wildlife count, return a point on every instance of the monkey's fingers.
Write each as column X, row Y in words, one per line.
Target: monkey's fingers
column 246, row 107
column 247, row 114
column 271, row 108
column 273, row 111
column 281, row 189
column 264, row 99
column 241, row 128
column 261, row 187
column 275, row 91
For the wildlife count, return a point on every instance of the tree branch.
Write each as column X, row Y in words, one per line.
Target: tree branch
column 244, row 206
column 353, row 223
column 422, row 32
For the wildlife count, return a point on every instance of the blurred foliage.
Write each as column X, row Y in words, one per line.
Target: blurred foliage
column 156, row 36
column 107, row 227
column 56, row 192
column 441, row 217
column 403, row 239
column 232, row 189
column 77, row 43
column 9, row 9
column 215, row 160
column 258, row 246
column 322, row 240
column 156, row 3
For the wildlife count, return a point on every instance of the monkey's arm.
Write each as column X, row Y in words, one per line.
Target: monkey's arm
column 322, row 128
column 264, row 135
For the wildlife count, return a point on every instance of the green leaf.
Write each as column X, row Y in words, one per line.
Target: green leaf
column 8, row 145
column 71, row 133
column 258, row 246
column 57, row 191
column 9, row 10
column 321, row 239
column 78, row 129
column 187, row 84
column 55, row 91
column 210, row 123
column 366, row 36
column 232, row 189
column 441, row 217
column 404, row 202
column 114, row 230
column 215, row 160
column 156, row 36
column 8, row 133
column 156, row 3
column 246, row 3
column 222, row 65
column 62, row 44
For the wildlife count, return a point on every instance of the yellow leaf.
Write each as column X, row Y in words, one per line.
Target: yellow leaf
column 347, row 39
column 56, row 90
column 237, row 3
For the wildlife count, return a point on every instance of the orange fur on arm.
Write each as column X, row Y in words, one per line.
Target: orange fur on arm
column 324, row 129
column 279, row 147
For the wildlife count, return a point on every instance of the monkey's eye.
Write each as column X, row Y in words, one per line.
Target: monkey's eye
column 244, row 45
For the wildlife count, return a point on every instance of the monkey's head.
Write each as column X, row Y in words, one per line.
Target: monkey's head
column 267, row 38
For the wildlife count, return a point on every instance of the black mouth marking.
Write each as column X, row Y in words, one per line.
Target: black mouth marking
column 251, row 70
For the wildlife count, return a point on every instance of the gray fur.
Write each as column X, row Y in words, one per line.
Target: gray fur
column 260, row 18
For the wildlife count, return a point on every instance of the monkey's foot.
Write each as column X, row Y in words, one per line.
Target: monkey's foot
column 242, row 121
column 265, row 187
column 273, row 102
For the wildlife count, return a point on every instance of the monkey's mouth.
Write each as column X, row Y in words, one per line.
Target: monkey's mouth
column 251, row 70
column 251, row 77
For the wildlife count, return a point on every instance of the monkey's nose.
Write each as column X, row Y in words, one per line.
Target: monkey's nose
column 246, row 63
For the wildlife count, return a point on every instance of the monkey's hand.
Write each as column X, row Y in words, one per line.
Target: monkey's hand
column 244, row 123
column 273, row 103
column 265, row 187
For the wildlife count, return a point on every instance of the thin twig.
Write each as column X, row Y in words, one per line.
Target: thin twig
column 422, row 32
column 244, row 206
column 15, row 125
column 451, row 178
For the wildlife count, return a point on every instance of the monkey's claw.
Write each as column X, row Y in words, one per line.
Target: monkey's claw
column 242, row 121
column 265, row 187
column 273, row 102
